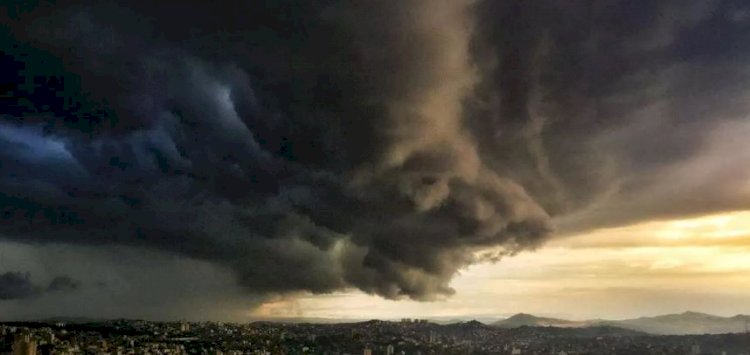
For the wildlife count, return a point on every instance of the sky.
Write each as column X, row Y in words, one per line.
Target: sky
column 356, row 160
column 645, row 269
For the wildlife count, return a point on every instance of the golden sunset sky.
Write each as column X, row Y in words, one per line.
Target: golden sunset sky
column 698, row 264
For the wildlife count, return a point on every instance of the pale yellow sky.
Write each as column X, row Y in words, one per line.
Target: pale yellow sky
column 699, row 264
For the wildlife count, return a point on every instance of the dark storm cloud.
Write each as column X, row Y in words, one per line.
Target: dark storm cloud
column 326, row 145
column 63, row 283
column 16, row 285
column 602, row 110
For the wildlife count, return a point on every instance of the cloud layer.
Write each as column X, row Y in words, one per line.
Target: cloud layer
column 379, row 146
column 16, row 285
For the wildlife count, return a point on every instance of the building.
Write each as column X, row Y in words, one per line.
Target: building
column 433, row 337
column 389, row 350
column 24, row 345
column 367, row 351
column 49, row 338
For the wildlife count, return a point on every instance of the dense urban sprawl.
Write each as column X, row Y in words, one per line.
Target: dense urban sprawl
column 368, row 338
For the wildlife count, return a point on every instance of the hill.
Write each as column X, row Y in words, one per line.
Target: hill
column 523, row 319
column 687, row 323
column 669, row 324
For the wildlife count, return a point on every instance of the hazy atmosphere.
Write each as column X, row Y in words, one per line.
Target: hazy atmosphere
column 445, row 159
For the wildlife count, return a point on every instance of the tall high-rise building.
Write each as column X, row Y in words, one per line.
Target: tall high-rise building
column 49, row 337
column 24, row 345
column 433, row 337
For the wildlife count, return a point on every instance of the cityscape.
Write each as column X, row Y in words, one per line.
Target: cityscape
column 375, row 337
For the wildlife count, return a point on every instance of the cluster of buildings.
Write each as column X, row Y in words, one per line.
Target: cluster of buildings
column 412, row 337
column 33, row 339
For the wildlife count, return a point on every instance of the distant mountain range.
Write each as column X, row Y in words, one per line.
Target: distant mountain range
column 670, row 324
column 475, row 327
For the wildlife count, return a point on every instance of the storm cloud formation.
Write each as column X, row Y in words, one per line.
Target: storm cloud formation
column 319, row 146
column 16, row 285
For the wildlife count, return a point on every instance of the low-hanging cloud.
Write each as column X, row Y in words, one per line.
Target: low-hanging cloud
column 16, row 286
column 319, row 146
